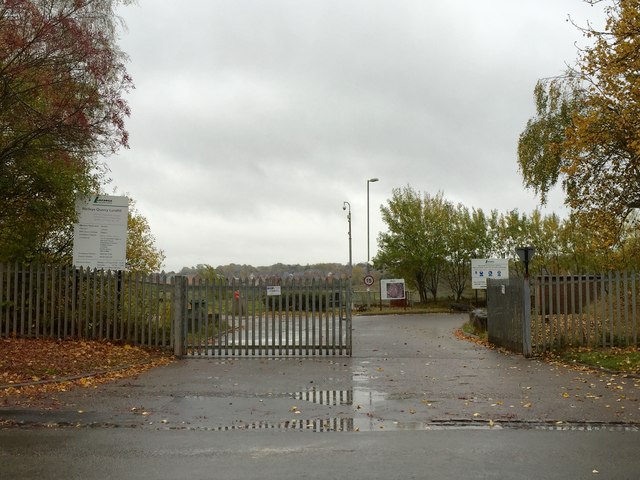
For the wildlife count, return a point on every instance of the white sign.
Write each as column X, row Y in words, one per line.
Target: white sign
column 368, row 280
column 392, row 289
column 274, row 291
column 483, row 268
column 100, row 236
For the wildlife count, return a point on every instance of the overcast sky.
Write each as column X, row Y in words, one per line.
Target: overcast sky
column 254, row 120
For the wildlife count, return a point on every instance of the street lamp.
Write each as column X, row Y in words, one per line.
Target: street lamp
column 344, row 207
column 371, row 180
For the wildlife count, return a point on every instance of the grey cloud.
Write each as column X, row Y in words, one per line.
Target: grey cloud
column 259, row 118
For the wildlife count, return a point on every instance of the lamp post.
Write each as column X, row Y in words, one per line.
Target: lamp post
column 371, row 180
column 346, row 205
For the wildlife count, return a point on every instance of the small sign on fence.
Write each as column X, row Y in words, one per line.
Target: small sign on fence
column 274, row 291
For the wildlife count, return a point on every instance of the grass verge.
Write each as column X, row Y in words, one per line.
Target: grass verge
column 470, row 329
column 626, row 360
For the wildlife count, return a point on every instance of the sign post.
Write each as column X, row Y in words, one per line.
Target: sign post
column 368, row 281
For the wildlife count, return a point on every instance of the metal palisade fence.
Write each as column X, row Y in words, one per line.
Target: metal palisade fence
column 593, row 310
column 196, row 318
column 41, row 301
column 267, row 317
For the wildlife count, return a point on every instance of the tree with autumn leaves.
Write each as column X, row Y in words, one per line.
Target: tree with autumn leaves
column 586, row 131
column 142, row 254
column 62, row 110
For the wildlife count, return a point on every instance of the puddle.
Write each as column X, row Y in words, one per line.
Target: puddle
column 363, row 401
column 365, row 412
column 353, row 424
column 356, row 396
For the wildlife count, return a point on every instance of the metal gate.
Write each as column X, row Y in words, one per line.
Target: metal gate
column 308, row 317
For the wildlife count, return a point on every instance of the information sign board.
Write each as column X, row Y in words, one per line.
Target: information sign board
column 483, row 268
column 392, row 289
column 100, row 236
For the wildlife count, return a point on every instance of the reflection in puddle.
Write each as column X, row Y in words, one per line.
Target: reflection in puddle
column 355, row 424
column 363, row 413
column 355, row 396
column 317, row 425
column 326, row 397
column 361, row 417
column 364, row 401
column 348, row 424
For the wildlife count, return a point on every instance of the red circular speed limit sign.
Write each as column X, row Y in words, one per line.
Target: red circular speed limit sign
column 368, row 280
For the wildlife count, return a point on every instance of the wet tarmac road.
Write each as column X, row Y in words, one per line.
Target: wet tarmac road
column 407, row 372
column 103, row 453
column 412, row 402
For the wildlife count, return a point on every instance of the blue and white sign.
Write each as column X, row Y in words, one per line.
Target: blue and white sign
column 483, row 268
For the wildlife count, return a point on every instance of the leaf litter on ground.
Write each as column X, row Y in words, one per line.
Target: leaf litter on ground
column 33, row 369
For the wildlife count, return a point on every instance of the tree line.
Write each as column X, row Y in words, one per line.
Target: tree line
column 430, row 242
column 280, row 270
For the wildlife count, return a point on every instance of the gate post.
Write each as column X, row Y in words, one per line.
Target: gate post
column 177, row 313
column 349, row 325
column 526, row 321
